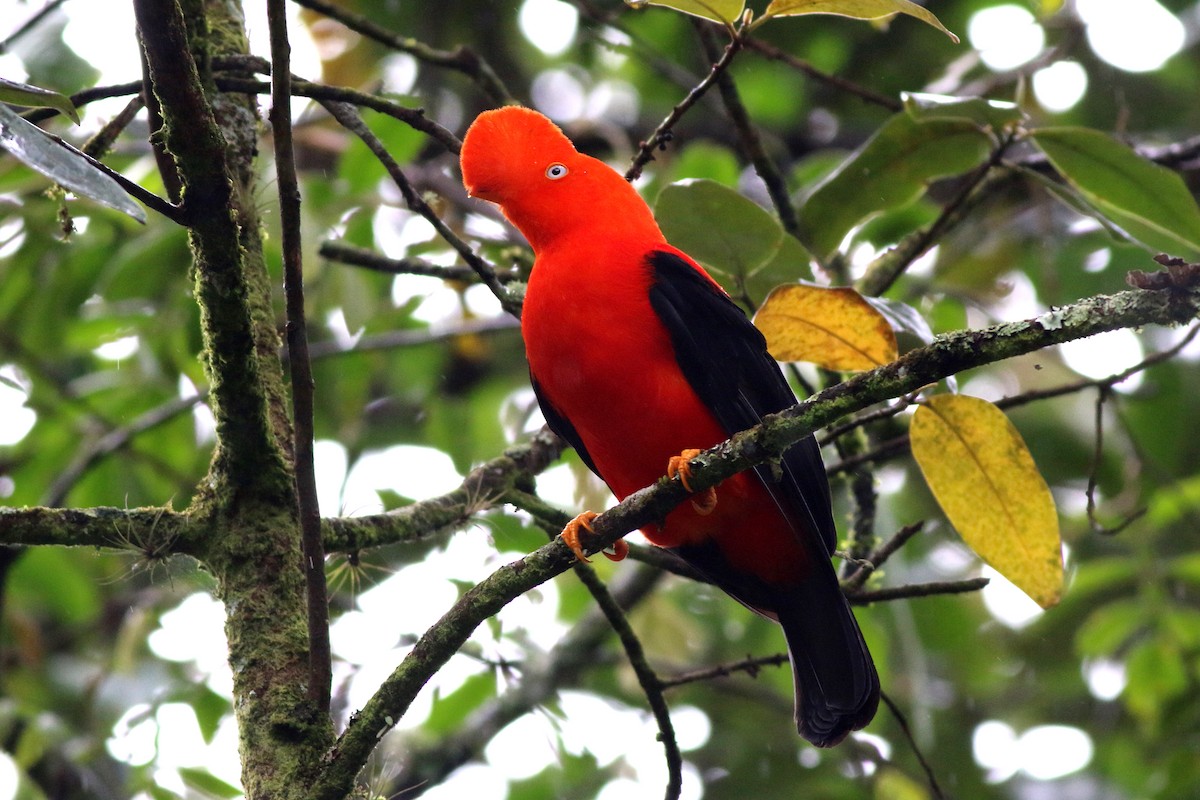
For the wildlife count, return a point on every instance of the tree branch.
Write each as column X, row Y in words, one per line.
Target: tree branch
column 320, row 669
column 949, row 354
column 194, row 139
column 484, row 487
column 541, row 678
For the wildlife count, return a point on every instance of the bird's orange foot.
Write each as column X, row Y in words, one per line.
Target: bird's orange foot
column 570, row 536
column 705, row 501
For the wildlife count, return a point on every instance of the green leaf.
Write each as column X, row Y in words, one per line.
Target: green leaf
column 717, row 10
column 789, row 264
column 1155, row 675
column 207, row 783
column 56, row 581
column 994, row 114
column 1147, row 201
column 1108, row 628
column 65, row 166
column 717, row 226
column 22, row 94
column 449, row 712
column 858, row 9
column 891, row 169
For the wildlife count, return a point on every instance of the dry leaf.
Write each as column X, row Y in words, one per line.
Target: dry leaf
column 833, row 328
column 985, row 480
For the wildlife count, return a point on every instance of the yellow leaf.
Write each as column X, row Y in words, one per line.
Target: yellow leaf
column 985, row 480
column 716, row 10
column 858, row 9
column 833, row 328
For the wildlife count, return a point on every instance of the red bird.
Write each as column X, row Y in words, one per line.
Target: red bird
column 637, row 357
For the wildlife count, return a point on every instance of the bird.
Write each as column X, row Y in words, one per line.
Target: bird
column 640, row 360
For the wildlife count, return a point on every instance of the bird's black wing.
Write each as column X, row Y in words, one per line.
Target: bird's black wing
column 725, row 359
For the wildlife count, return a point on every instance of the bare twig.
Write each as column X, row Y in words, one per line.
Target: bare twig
column 392, row 340
column 113, row 441
column 1102, row 395
column 413, row 117
column 320, row 678
column 483, row 488
column 917, row 590
column 349, row 118
column 102, row 140
column 750, row 666
column 902, row 721
column 899, row 444
column 833, row 81
column 552, row 521
column 748, row 136
column 661, row 134
column 883, row 271
column 581, row 649
column 369, row 259
column 879, row 555
column 461, row 59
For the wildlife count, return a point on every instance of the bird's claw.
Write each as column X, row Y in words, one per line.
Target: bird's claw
column 570, row 537
column 703, row 502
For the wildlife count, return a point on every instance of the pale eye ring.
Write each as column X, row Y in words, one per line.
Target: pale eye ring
column 556, row 171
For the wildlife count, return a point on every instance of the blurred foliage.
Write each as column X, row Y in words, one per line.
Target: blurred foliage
column 99, row 332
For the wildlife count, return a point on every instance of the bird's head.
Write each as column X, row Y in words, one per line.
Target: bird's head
column 520, row 160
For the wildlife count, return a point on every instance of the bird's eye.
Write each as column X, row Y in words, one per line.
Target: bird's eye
column 556, row 171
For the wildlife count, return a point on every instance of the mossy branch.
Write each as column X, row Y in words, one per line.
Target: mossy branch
column 947, row 355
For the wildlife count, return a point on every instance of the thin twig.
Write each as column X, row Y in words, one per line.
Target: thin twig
column 413, row 117
column 320, row 671
column 902, row 721
column 113, row 441
column 350, row 119
column 392, row 340
column 368, row 259
column 880, row 555
column 581, row 649
column 917, row 590
column 652, row 686
column 899, row 444
column 748, row 136
column 461, row 59
column 883, row 271
column 102, row 140
column 750, row 666
column 152, row 201
column 887, row 412
column 1102, row 396
column 552, row 520
column 661, row 134
column 841, row 84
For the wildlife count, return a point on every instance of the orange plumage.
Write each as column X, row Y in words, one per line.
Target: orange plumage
column 636, row 354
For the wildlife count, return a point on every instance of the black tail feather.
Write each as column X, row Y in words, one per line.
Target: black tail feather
column 837, row 688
